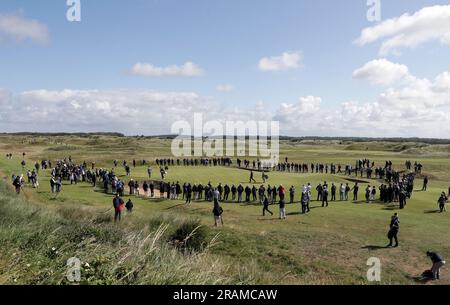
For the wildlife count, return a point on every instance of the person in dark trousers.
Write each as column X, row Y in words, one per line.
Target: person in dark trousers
column 442, row 201
column 355, row 192
column 17, row 184
column 118, row 207
column 129, row 205
column 438, row 262
column 266, row 206
column 319, row 190
column 402, row 199
column 394, row 227
column 325, row 197
column 217, row 211
column 333, row 192
column 252, row 179
column 188, row 193
column 425, row 183
column 291, row 194
column 305, row 202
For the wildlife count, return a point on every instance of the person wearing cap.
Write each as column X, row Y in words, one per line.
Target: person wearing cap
column 438, row 263
column 118, row 205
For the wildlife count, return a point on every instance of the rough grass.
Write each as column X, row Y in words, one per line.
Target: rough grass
column 328, row 246
column 37, row 242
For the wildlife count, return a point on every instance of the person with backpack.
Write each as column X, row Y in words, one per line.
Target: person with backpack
column 118, row 205
column 17, row 184
column 438, row 262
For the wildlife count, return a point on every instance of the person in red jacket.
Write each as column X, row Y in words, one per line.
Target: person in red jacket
column 118, row 205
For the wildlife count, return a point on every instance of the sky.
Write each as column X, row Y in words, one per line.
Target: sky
column 320, row 68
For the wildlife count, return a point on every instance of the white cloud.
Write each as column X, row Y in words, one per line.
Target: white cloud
column 188, row 69
column 130, row 112
column 286, row 61
column 127, row 111
column 19, row 29
column 225, row 88
column 306, row 106
column 415, row 107
column 442, row 82
column 409, row 31
column 382, row 72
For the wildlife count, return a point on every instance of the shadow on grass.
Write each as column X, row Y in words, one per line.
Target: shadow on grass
column 315, row 207
column 431, row 211
column 374, row 247
column 294, row 213
column 176, row 206
column 391, row 208
column 420, row 279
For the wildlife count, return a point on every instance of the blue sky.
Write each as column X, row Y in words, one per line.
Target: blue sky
column 225, row 38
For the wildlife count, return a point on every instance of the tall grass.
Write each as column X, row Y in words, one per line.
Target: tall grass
column 37, row 242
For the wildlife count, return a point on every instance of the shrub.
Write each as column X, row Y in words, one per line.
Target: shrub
column 190, row 235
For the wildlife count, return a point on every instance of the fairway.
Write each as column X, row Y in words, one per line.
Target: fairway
column 327, row 246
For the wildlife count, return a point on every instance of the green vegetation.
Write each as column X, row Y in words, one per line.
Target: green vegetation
column 37, row 242
column 327, row 246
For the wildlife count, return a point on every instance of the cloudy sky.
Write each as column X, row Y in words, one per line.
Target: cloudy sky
column 320, row 68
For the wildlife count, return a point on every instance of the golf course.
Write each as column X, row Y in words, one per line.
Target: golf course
column 169, row 242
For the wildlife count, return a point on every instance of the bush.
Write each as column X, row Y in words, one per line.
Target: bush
column 190, row 235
